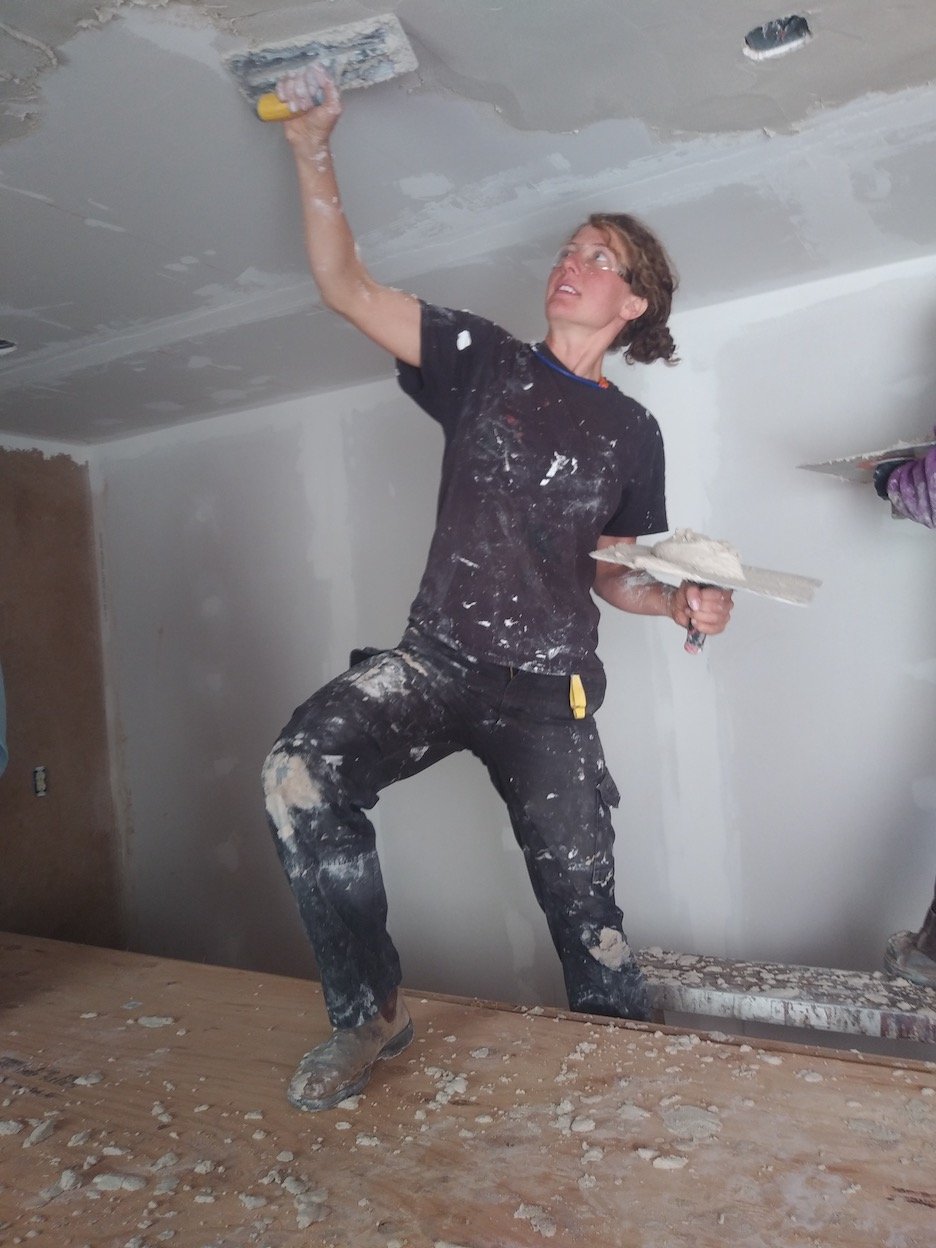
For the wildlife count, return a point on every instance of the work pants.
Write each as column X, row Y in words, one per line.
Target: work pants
column 393, row 715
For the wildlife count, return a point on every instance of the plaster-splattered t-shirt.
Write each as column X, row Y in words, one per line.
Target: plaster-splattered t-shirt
column 537, row 464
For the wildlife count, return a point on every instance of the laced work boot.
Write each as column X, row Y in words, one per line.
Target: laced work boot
column 342, row 1065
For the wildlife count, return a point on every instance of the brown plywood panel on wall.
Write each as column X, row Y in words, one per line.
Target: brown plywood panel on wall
column 59, row 850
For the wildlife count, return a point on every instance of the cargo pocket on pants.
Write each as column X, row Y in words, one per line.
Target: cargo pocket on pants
column 608, row 793
column 607, row 798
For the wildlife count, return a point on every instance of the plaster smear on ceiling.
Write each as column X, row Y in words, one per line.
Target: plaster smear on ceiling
column 544, row 64
column 151, row 221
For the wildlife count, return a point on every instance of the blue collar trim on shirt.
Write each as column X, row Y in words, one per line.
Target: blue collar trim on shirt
column 558, row 368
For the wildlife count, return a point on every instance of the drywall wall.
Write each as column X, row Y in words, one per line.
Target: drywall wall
column 243, row 559
column 58, row 833
column 779, row 790
column 790, row 781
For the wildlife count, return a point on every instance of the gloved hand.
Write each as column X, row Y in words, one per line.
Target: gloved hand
column 911, row 488
column 882, row 474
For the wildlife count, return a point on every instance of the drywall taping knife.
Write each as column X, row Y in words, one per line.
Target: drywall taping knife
column 860, row 468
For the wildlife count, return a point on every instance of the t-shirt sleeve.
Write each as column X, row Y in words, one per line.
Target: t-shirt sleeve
column 642, row 509
column 456, row 351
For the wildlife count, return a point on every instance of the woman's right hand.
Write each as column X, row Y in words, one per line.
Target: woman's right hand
column 315, row 101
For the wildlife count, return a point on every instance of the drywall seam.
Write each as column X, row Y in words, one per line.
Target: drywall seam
column 504, row 209
column 299, row 296
column 753, row 308
column 51, row 364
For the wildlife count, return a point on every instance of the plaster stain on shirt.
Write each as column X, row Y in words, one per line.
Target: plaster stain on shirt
column 559, row 462
column 463, row 340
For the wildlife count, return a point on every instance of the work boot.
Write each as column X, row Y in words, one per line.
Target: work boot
column 342, row 1065
column 903, row 957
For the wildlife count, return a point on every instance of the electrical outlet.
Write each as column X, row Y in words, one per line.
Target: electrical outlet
column 40, row 781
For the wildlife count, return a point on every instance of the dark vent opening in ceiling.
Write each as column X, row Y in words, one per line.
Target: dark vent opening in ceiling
column 776, row 38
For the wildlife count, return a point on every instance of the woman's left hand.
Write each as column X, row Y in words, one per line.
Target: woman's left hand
column 702, row 607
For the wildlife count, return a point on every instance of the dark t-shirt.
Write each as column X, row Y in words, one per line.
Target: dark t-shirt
column 537, row 464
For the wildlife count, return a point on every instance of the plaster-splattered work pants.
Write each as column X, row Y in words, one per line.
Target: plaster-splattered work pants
column 392, row 716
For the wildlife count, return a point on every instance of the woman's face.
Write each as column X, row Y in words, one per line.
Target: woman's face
column 589, row 284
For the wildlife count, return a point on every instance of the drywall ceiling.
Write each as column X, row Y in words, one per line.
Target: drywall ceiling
column 153, row 269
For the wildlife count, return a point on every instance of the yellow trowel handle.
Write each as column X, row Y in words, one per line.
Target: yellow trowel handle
column 271, row 108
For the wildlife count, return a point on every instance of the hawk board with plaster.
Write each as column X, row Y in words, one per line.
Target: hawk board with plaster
column 689, row 556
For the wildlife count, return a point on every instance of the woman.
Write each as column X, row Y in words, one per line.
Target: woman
column 544, row 460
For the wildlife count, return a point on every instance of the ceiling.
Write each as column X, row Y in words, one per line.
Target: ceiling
column 153, row 269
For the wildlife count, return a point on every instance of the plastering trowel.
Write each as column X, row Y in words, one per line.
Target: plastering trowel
column 357, row 54
column 688, row 556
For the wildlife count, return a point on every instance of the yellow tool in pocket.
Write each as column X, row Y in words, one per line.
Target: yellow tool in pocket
column 577, row 697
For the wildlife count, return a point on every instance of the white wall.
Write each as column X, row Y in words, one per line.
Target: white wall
column 779, row 790
column 785, row 800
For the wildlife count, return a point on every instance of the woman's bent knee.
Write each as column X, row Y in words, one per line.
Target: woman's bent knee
column 291, row 783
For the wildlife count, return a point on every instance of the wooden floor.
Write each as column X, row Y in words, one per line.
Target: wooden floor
column 142, row 1104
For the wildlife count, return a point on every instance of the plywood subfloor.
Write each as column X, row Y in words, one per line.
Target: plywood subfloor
column 142, row 1104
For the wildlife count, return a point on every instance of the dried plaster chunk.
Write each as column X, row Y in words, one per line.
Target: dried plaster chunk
column 116, row 1182
column 538, row 1218
column 670, row 1163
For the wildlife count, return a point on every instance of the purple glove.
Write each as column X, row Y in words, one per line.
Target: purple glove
column 911, row 489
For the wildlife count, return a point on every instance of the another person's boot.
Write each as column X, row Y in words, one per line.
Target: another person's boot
column 342, row 1065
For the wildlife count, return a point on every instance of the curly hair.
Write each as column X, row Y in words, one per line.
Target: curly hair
column 653, row 278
